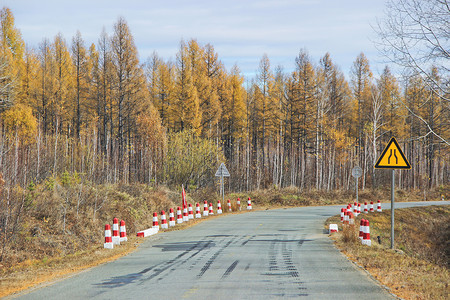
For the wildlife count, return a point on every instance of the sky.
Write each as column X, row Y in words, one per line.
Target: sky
column 241, row 31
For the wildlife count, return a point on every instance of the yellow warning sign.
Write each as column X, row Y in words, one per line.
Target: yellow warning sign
column 392, row 157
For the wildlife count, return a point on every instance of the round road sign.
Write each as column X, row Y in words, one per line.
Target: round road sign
column 356, row 172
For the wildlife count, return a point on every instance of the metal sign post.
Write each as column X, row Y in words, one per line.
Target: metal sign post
column 392, row 207
column 392, row 158
column 222, row 172
column 356, row 173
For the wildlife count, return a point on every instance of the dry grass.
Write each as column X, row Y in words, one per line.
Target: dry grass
column 294, row 197
column 418, row 268
column 33, row 272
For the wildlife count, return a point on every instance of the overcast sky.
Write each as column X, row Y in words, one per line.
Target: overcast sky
column 241, row 31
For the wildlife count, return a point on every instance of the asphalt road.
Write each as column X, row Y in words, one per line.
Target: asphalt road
column 274, row 254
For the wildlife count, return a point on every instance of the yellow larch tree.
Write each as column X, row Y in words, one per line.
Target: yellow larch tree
column 209, row 102
column 12, row 50
column 186, row 108
column 63, row 70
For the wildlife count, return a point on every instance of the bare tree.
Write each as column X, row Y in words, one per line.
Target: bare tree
column 415, row 34
column 376, row 119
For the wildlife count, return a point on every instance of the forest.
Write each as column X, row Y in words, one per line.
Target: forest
column 88, row 132
column 98, row 111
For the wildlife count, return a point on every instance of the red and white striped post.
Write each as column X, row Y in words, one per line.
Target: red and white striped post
column 171, row 218
column 238, row 201
column 164, row 224
column 123, row 232
column 229, row 205
column 211, row 212
column 342, row 215
column 205, row 208
column 108, row 239
column 355, row 207
column 155, row 221
column 366, row 237
column 185, row 214
column 179, row 216
column 371, row 206
column 366, row 211
column 249, row 204
column 219, row 207
column 333, row 228
column 361, row 230
column 190, row 211
column 379, row 206
column 116, row 236
column 198, row 215
column 346, row 218
column 358, row 209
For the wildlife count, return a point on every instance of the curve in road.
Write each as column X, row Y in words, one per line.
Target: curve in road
column 282, row 253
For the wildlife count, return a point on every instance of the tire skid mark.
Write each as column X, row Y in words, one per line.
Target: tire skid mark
column 203, row 255
column 118, row 281
column 273, row 264
column 174, row 263
column 230, row 269
column 248, row 240
column 213, row 258
column 238, row 240
column 282, row 268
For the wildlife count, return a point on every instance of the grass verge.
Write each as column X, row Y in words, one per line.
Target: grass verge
column 32, row 273
column 418, row 267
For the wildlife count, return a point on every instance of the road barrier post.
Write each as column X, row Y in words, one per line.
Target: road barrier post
column 123, row 232
column 108, row 239
column 116, row 236
column 171, row 218
column 163, row 220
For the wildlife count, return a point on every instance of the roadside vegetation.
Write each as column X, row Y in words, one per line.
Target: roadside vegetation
column 418, row 268
column 57, row 227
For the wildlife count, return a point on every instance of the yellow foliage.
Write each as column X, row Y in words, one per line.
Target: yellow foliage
column 20, row 120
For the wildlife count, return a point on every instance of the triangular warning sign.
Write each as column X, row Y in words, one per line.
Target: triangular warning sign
column 392, row 157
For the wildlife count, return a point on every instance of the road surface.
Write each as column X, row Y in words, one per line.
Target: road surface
column 274, row 254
